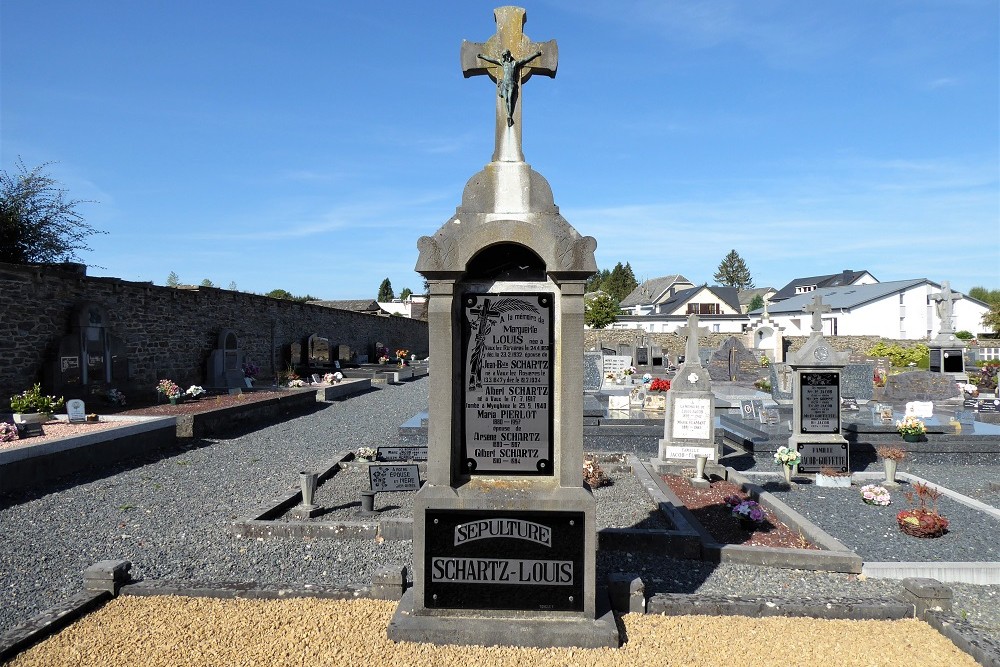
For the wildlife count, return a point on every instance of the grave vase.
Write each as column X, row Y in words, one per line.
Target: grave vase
column 248, row 382
column 699, row 466
column 30, row 417
column 890, row 470
column 911, row 438
column 787, row 471
column 173, row 400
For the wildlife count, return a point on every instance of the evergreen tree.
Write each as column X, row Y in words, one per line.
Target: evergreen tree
column 600, row 311
column 595, row 281
column 385, row 292
column 405, row 293
column 990, row 296
column 620, row 283
column 207, row 283
column 733, row 272
column 173, row 280
column 756, row 302
column 280, row 294
column 232, row 285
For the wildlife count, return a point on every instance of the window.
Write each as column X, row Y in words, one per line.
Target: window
column 802, row 289
column 715, row 328
column 703, row 309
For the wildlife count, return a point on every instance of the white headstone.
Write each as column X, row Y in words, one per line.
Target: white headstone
column 76, row 411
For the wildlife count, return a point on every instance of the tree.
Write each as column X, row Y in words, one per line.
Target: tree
column 406, row 293
column 756, row 302
column 37, row 223
column 990, row 296
column 733, row 272
column 385, row 292
column 173, row 280
column 280, row 294
column 620, row 282
column 600, row 310
column 991, row 319
column 595, row 281
column 207, row 283
column 232, row 285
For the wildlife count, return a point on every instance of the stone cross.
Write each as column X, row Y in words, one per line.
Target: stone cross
column 817, row 308
column 944, row 304
column 692, row 330
column 509, row 58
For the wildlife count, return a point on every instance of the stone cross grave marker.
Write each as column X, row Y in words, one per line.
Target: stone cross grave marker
column 504, row 531
column 593, row 371
column 944, row 305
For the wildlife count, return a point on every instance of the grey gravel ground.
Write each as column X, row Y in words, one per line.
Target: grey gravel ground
column 171, row 518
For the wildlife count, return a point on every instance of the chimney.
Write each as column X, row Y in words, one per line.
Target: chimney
column 846, row 278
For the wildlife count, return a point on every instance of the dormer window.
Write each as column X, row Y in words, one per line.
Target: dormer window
column 802, row 289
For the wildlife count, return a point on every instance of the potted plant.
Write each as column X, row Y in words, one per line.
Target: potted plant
column 891, row 456
column 911, row 428
column 833, row 477
column 8, row 432
column 194, row 391
column 250, row 372
column 788, row 459
column 31, row 406
column 659, row 384
column 922, row 521
column 748, row 512
column 873, row 494
column 366, row 454
column 593, row 474
column 169, row 389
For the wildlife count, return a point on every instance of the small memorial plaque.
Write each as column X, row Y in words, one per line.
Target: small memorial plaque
column 971, row 403
column 76, row 411
column 618, row 402
column 768, row 416
column 32, row 430
column 849, row 405
column 507, row 362
column 692, row 419
column 393, row 477
column 746, row 409
column 758, row 406
column 921, row 409
column 989, row 405
column 402, row 453
column 821, row 455
column 819, row 402
column 673, row 452
column 616, row 365
column 497, row 559
column 655, row 402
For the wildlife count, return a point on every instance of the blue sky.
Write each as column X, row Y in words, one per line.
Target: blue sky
column 308, row 145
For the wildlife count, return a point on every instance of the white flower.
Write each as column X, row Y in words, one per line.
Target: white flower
column 692, row 378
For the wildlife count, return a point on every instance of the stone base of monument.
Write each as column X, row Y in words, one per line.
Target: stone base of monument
column 699, row 482
column 525, row 629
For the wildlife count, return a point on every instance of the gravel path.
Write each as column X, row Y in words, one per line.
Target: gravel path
column 171, row 518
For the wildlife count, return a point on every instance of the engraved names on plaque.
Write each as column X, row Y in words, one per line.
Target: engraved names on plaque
column 692, row 419
column 507, row 362
column 820, row 402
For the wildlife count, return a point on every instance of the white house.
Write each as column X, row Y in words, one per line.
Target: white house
column 809, row 284
column 649, row 297
column 901, row 309
column 414, row 306
column 717, row 308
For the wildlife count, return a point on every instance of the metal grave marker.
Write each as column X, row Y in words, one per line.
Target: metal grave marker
column 393, row 477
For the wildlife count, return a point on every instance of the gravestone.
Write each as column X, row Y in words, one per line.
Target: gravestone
column 856, row 381
column 344, row 353
column 781, row 383
column 733, row 362
column 319, row 352
column 947, row 352
column 688, row 425
column 593, row 371
column 642, row 356
column 76, row 411
column 225, row 363
column 615, row 365
column 295, row 354
column 816, row 379
column 90, row 357
column 393, row 477
column 920, row 386
column 504, row 537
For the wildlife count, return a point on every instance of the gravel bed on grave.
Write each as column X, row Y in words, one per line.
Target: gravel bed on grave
column 970, row 480
column 622, row 504
column 171, row 517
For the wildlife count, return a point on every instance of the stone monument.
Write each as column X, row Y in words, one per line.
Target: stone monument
column 688, row 425
column 816, row 370
column 504, row 538
column 947, row 353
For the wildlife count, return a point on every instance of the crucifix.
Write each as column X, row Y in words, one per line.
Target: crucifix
column 816, row 309
column 944, row 303
column 509, row 58
column 692, row 330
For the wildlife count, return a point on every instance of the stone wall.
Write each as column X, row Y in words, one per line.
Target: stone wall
column 673, row 344
column 169, row 332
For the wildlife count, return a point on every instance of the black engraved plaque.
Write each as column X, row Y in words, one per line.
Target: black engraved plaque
column 507, row 383
column 819, row 402
column 496, row 559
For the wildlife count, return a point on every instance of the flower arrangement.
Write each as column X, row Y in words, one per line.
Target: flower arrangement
column 593, row 475
column 764, row 361
column 168, row 388
column 629, row 371
column 33, row 400
column 384, row 359
column 609, row 376
column 987, row 380
column 879, row 377
column 659, row 384
column 910, row 425
column 787, row 457
column 194, row 391
column 8, row 432
column 401, row 353
column 747, row 511
column 763, row 384
column 922, row 521
column 251, row 370
column 116, row 397
column 873, row 494
column 297, row 382
column 890, row 452
column 333, row 378
column 366, row 453
column 969, row 389
column 647, row 378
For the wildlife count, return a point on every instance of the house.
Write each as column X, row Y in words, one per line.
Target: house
column 414, row 306
column 648, row 297
column 718, row 308
column 901, row 309
column 367, row 306
column 748, row 295
column 806, row 285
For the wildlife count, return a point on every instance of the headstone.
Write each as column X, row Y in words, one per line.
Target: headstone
column 688, row 428
column 90, row 357
column 856, row 381
column 319, row 351
column 642, row 356
column 504, row 532
column 733, row 362
column 920, row 386
column 344, row 353
column 225, row 363
column 816, row 369
column 746, row 409
column 76, row 411
column 615, row 365
column 392, row 477
column 593, row 371
column 781, row 383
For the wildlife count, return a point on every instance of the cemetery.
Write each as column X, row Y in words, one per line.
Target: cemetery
column 489, row 478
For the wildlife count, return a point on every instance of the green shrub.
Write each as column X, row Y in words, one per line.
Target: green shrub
column 964, row 335
column 902, row 356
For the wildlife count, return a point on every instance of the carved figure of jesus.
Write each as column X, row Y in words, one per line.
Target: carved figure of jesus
column 507, row 84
